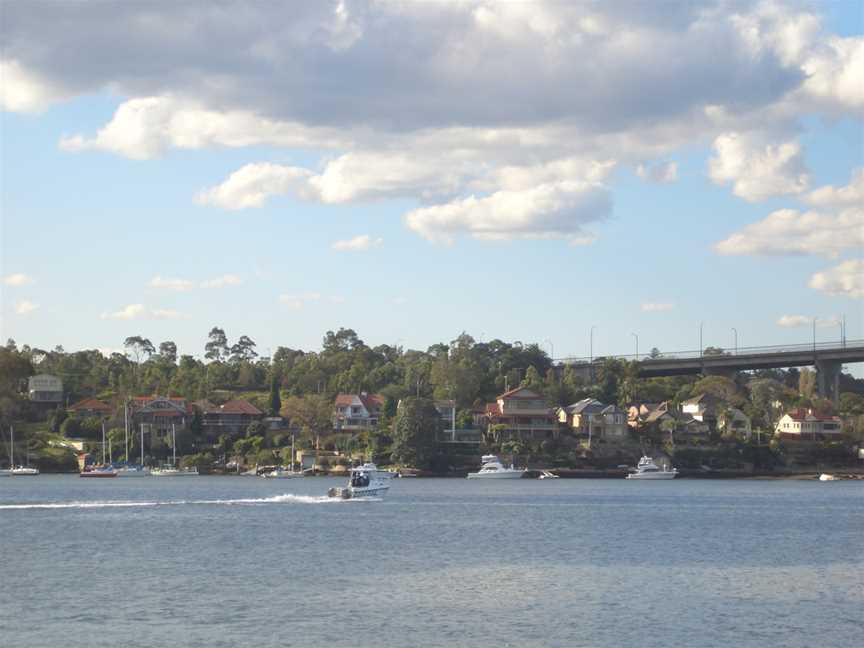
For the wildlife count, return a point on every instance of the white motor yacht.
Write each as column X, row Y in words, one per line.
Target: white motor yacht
column 132, row 471
column 383, row 474
column 493, row 469
column 361, row 483
column 171, row 471
column 282, row 473
column 545, row 474
column 24, row 471
column 647, row 469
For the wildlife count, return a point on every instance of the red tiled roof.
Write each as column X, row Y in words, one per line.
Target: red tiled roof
column 240, row 406
column 802, row 414
column 512, row 393
column 90, row 404
column 344, row 399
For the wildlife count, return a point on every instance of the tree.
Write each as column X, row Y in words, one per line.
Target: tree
column 168, row 351
column 313, row 413
column 217, row 345
column 243, row 350
column 139, row 346
column 275, row 398
column 807, row 383
column 414, row 432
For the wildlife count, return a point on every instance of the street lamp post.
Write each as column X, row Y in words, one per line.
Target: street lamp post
column 551, row 350
column 637, row 346
column 735, row 331
column 591, row 345
column 701, row 324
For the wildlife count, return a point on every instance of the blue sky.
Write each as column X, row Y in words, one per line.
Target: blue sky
column 505, row 203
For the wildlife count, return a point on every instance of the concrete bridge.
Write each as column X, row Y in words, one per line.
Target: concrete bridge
column 827, row 358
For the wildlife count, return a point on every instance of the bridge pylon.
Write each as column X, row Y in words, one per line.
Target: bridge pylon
column 828, row 379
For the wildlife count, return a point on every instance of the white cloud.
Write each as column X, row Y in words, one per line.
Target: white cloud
column 252, row 184
column 843, row 280
column 758, row 169
column 792, row 321
column 555, row 210
column 660, row 173
column 359, row 243
column 790, row 232
column 830, row 196
column 657, row 307
column 145, row 127
column 140, row 312
column 25, row 306
column 298, row 302
column 22, row 90
column 18, row 279
column 222, row 282
column 795, row 321
column 177, row 285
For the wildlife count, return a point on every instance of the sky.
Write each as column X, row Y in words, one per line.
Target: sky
column 588, row 176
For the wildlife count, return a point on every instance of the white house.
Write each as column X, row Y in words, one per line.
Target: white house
column 803, row 425
column 357, row 411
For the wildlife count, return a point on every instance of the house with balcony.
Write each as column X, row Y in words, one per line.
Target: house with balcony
column 523, row 415
column 449, row 434
column 90, row 407
column 593, row 420
column 805, row 425
column 159, row 414
column 45, row 389
column 355, row 412
column 734, row 421
column 231, row 418
column 703, row 408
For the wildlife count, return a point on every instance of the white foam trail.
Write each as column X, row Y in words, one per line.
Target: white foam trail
column 287, row 498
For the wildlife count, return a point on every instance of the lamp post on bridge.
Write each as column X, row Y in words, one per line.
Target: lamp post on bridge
column 735, row 331
column 637, row 346
column 591, row 345
column 701, row 324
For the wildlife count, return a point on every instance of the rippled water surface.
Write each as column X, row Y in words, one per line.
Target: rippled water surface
column 231, row 561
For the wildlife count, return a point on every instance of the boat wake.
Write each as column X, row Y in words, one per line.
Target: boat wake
column 287, row 498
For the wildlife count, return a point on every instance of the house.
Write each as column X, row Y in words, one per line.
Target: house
column 804, row 425
column 44, row 388
column 702, row 408
column 354, row 412
column 158, row 414
column 231, row 418
column 734, row 421
column 448, row 433
column 636, row 414
column 90, row 407
column 522, row 414
column 595, row 420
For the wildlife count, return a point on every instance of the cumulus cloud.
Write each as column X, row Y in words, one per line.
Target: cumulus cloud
column 757, row 169
column 22, row 90
column 140, row 312
column 251, row 185
column 830, row 196
column 794, row 321
column 359, row 243
column 177, row 285
column 18, row 279
column 222, row 282
column 556, row 210
column 25, row 307
column 657, row 307
column 843, row 280
column 791, row 232
column 660, row 173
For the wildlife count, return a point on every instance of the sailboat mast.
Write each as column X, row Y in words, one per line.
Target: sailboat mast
column 142, row 444
column 103, row 443
column 11, row 447
column 174, row 444
column 126, row 427
column 292, row 452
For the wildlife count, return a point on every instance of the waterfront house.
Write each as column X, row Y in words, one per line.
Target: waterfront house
column 158, row 414
column 90, row 407
column 231, row 418
column 592, row 419
column 734, row 421
column 355, row 412
column 702, row 408
column 636, row 414
column 805, row 425
column 45, row 389
column 521, row 414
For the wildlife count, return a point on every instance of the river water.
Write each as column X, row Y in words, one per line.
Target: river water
column 239, row 561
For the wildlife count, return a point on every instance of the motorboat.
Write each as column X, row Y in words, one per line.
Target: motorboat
column 492, row 468
column 827, row 477
column 545, row 474
column 98, row 472
column 361, row 483
column 647, row 469
column 24, row 471
column 383, row 474
column 132, row 471
column 172, row 471
column 282, row 473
